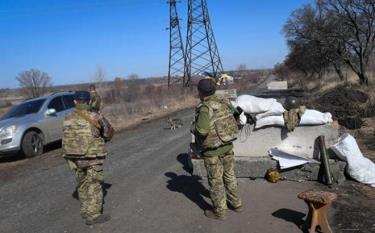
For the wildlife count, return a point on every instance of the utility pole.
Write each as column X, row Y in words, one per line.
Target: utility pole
column 201, row 51
column 176, row 47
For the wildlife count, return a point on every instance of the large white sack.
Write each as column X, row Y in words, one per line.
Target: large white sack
column 359, row 167
column 276, row 109
column 313, row 117
column 252, row 105
column 270, row 120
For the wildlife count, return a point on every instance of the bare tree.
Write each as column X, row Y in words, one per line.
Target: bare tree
column 33, row 82
column 133, row 76
column 355, row 32
column 118, row 85
column 133, row 90
column 241, row 67
column 99, row 75
column 335, row 33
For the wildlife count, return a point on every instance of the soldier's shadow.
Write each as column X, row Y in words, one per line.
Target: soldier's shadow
column 105, row 187
column 190, row 186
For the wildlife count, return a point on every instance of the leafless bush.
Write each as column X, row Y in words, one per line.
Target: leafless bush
column 132, row 100
column 5, row 104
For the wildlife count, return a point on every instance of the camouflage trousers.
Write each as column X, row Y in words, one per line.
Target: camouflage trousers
column 90, row 191
column 222, row 181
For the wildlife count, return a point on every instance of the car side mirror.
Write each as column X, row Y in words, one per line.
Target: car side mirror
column 51, row 112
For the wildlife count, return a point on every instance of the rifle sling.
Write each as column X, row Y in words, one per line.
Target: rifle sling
column 88, row 119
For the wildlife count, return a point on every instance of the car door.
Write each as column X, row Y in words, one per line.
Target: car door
column 68, row 103
column 55, row 121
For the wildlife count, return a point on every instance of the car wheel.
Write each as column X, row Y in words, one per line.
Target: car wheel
column 32, row 144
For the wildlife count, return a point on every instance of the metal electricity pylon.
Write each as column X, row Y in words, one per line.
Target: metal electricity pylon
column 176, row 47
column 201, row 51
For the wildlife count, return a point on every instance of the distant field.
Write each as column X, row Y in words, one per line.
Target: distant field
column 127, row 102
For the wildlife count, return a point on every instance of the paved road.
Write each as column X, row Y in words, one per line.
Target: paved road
column 148, row 190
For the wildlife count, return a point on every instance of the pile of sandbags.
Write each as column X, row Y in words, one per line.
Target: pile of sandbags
column 270, row 112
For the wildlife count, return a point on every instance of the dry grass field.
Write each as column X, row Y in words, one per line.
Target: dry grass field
column 131, row 102
column 126, row 106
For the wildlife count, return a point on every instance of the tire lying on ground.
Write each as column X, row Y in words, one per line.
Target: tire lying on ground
column 32, row 144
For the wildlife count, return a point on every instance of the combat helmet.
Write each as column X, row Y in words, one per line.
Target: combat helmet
column 291, row 102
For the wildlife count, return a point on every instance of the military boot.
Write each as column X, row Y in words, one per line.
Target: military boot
column 238, row 209
column 212, row 214
column 101, row 219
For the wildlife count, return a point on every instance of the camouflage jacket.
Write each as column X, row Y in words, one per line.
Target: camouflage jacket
column 293, row 117
column 215, row 124
column 95, row 101
column 83, row 135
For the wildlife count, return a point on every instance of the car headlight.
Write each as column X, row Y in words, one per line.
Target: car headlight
column 8, row 131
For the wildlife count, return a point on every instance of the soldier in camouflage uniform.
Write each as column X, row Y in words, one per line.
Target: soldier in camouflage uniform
column 83, row 144
column 95, row 99
column 215, row 129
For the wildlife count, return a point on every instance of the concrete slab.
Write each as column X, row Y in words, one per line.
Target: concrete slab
column 301, row 142
column 277, row 85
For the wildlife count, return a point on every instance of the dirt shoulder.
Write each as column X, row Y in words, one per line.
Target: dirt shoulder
column 353, row 109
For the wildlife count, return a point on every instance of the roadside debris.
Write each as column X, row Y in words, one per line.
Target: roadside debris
column 328, row 178
column 348, row 106
column 273, row 175
column 287, row 160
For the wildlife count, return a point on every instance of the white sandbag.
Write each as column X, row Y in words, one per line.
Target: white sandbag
column 252, row 105
column 276, row 109
column 313, row 117
column 310, row 117
column 243, row 119
column 359, row 167
column 269, row 120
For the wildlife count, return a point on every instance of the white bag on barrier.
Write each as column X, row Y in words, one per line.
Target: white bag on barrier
column 310, row 117
column 359, row 167
column 243, row 119
column 276, row 109
column 269, row 120
column 313, row 117
column 251, row 104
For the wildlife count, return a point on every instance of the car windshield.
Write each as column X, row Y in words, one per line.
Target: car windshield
column 24, row 109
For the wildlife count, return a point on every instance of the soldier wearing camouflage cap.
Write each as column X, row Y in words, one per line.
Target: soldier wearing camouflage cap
column 215, row 129
column 83, row 145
